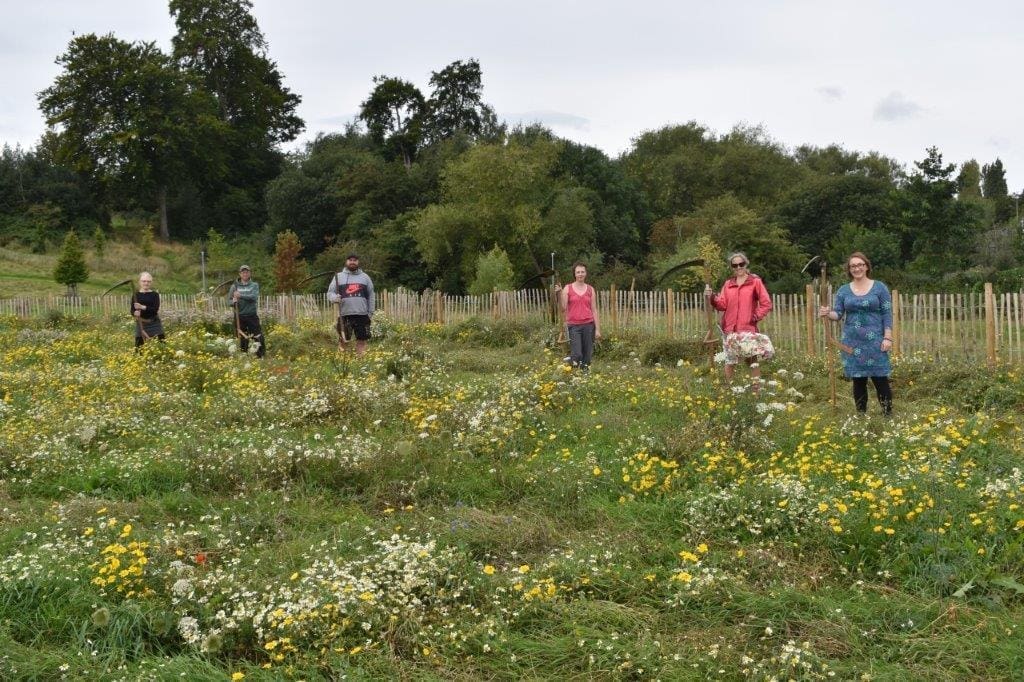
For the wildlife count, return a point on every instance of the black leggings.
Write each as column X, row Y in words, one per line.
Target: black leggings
column 882, row 388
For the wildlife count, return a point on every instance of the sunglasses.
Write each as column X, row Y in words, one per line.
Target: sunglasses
column 738, row 265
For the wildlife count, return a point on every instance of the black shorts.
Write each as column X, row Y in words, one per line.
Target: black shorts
column 355, row 325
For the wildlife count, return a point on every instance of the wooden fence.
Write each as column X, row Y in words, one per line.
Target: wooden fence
column 977, row 326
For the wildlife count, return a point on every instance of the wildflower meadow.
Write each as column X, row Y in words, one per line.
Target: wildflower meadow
column 459, row 504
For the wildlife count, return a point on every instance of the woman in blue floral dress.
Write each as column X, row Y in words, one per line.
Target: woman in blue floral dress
column 867, row 332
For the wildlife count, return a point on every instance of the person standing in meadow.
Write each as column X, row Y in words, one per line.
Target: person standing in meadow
column 352, row 290
column 245, row 295
column 867, row 333
column 145, row 308
column 581, row 319
column 743, row 301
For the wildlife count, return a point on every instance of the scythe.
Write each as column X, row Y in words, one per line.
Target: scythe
column 138, row 323
column 829, row 342
column 695, row 262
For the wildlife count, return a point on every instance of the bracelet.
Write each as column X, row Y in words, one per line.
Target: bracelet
column 886, row 338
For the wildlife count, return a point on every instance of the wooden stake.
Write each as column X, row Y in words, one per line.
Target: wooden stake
column 810, row 314
column 830, row 352
column 990, row 325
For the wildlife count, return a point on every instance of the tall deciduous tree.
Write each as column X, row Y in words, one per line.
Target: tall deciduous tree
column 456, row 102
column 394, row 114
column 221, row 43
column 506, row 196
column 130, row 119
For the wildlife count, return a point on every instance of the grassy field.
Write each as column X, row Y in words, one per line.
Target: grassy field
column 457, row 505
column 175, row 268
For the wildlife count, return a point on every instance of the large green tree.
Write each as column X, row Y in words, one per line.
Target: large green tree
column 968, row 182
column 505, row 196
column 814, row 211
column 340, row 189
column 395, row 114
column 220, row 42
column 936, row 228
column 837, row 161
column 735, row 227
column 619, row 208
column 131, row 120
column 993, row 180
column 680, row 167
column 456, row 102
column 33, row 181
column 993, row 186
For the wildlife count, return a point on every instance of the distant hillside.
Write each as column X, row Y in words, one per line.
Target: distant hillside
column 175, row 269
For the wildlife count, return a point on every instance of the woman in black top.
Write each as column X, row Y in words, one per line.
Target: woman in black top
column 146, row 310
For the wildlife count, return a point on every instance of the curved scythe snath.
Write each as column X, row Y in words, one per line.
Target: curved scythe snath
column 312, row 277
column 695, row 262
column 138, row 323
column 540, row 275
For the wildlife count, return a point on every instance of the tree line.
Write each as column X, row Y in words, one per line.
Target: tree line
column 436, row 191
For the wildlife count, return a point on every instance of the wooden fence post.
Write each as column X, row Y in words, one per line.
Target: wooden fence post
column 613, row 308
column 670, row 312
column 896, row 349
column 439, row 306
column 810, row 316
column 990, row 324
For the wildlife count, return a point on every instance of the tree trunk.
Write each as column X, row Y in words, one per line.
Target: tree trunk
column 165, row 234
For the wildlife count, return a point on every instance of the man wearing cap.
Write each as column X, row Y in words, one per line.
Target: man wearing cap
column 245, row 294
column 352, row 290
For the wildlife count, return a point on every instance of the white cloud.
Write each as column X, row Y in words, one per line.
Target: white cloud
column 895, row 106
column 830, row 92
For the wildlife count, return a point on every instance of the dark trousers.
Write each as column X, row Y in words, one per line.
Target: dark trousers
column 250, row 326
column 581, row 344
column 882, row 388
column 139, row 340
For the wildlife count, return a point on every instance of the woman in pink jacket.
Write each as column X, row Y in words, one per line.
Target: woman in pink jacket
column 744, row 301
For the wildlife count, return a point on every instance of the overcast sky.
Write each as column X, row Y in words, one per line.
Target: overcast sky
column 895, row 77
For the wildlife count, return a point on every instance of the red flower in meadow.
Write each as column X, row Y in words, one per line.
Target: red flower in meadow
column 201, row 558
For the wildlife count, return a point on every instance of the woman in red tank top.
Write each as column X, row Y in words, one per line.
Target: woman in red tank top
column 578, row 301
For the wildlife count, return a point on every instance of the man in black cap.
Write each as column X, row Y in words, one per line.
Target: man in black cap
column 352, row 290
column 245, row 294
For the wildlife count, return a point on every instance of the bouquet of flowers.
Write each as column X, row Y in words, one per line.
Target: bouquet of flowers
column 740, row 346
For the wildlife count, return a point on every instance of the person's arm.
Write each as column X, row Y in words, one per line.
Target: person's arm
column 597, row 320
column 838, row 306
column 764, row 302
column 154, row 310
column 252, row 294
column 371, row 299
column 332, row 290
column 718, row 301
column 563, row 297
column 885, row 299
